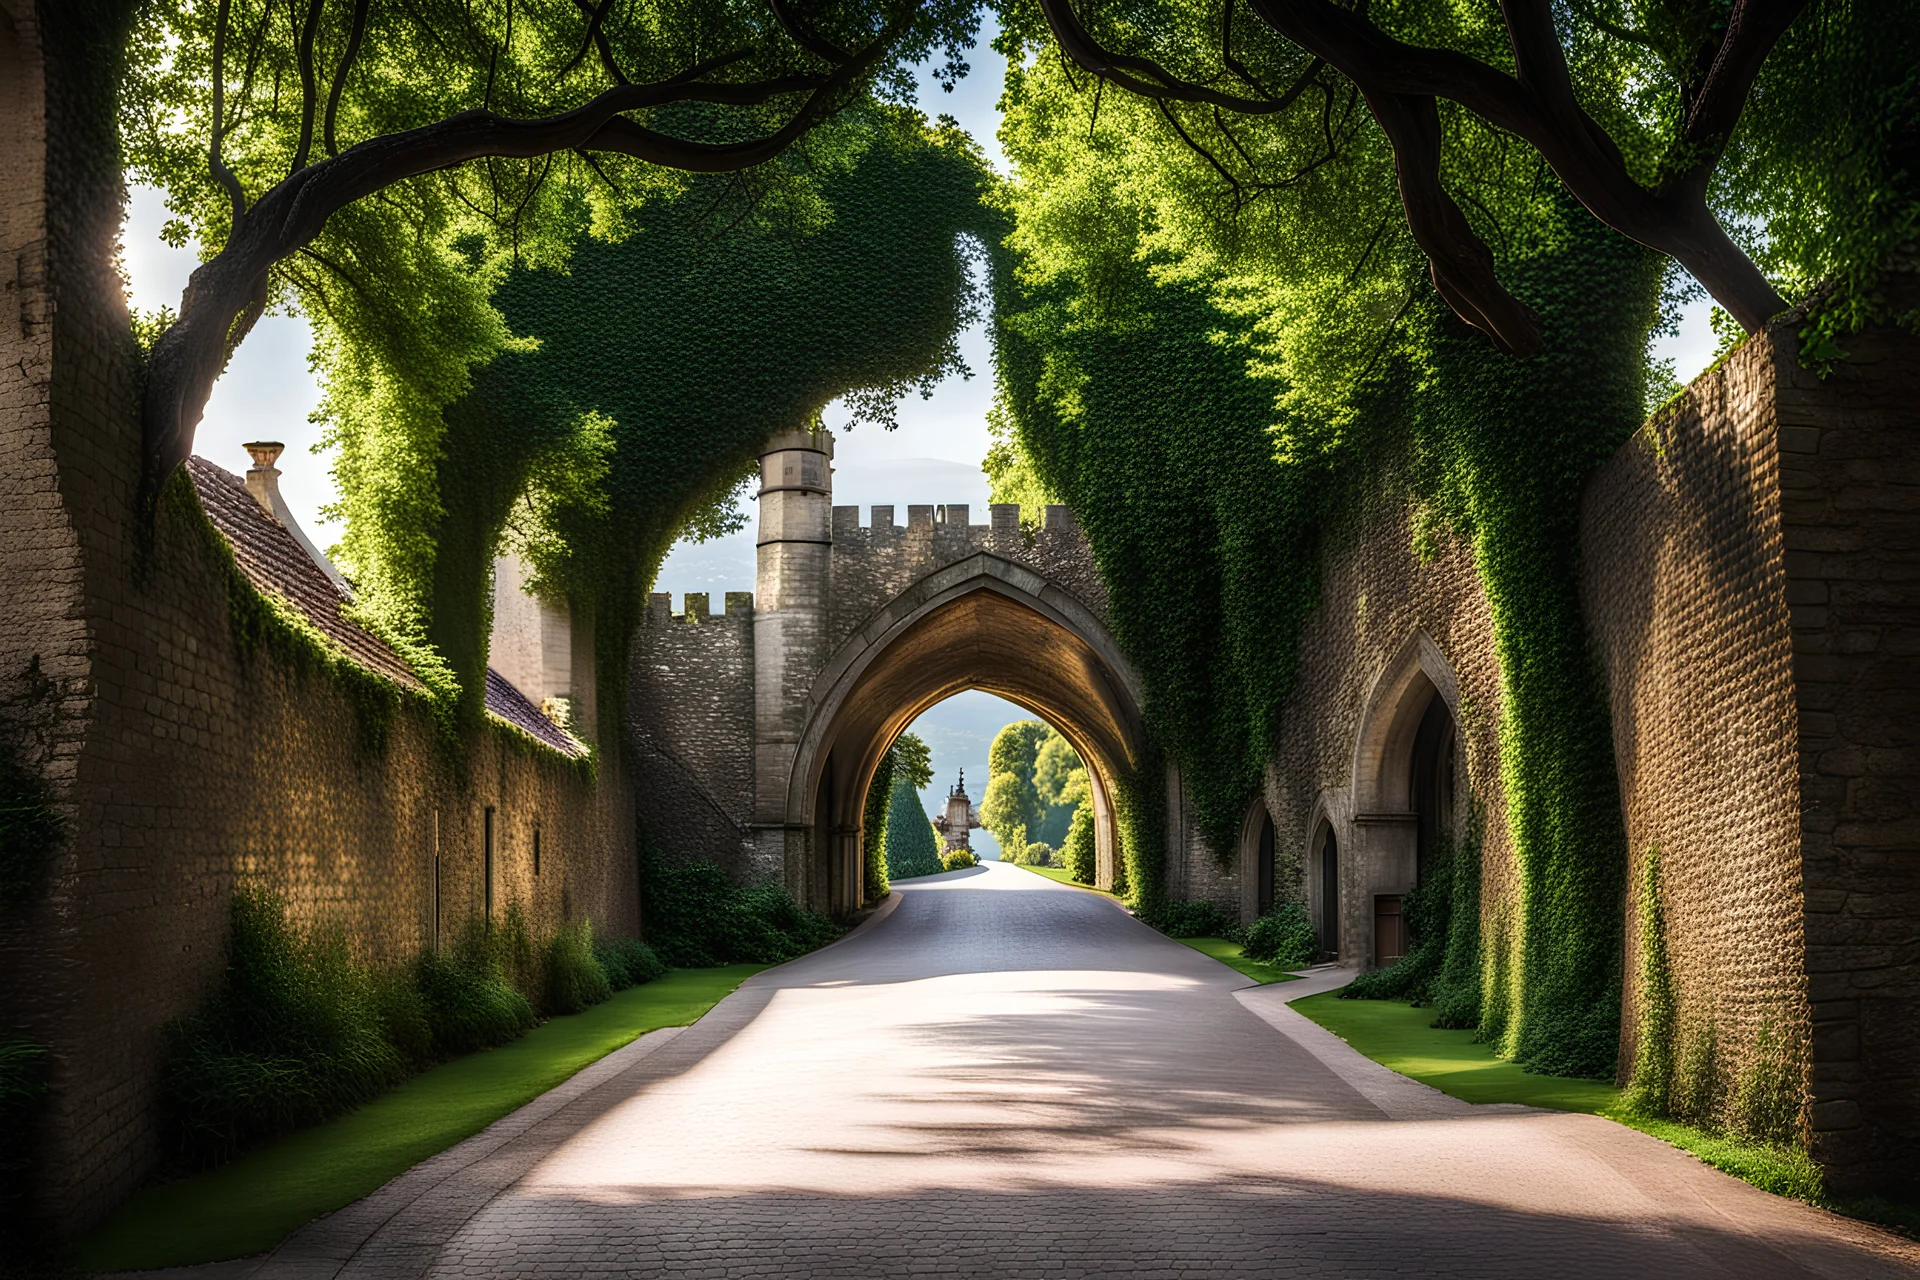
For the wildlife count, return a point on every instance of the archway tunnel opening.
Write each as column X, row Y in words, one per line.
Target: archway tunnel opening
column 1037, row 652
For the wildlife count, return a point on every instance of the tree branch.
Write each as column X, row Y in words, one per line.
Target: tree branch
column 309, row 83
column 1674, row 220
column 803, row 34
column 188, row 357
column 597, row 39
column 1126, row 71
column 340, row 73
column 1462, row 265
column 228, row 180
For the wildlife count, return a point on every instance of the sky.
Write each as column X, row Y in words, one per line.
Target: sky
column 269, row 392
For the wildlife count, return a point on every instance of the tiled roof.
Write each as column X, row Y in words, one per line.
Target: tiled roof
column 275, row 562
column 505, row 700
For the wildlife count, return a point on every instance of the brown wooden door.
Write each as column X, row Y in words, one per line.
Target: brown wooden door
column 1389, row 929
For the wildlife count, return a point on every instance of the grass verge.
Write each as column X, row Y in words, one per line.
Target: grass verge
column 1397, row 1035
column 252, row 1203
column 1230, row 954
column 1061, row 875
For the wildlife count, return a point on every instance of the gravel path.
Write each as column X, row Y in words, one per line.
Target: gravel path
column 1002, row 1076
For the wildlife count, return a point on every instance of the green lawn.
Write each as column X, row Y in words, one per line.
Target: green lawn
column 1059, row 874
column 1229, row 954
column 252, row 1203
column 1397, row 1035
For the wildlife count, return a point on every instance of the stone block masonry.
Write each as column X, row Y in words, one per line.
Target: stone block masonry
column 690, row 726
column 1752, row 567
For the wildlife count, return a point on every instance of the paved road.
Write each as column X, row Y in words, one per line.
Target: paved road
column 1008, row 1077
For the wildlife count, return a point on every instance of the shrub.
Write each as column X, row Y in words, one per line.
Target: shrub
column 404, row 1019
column 1442, row 964
column 959, row 859
column 913, row 849
column 574, row 978
column 469, row 1003
column 629, row 962
column 1284, row 936
column 295, row 1035
column 1179, row 919
column 1077, row 855
column 1038, row 853
column 697, row 917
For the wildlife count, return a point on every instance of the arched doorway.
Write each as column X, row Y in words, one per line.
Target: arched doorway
column 1403, row 795
column 984, row 623
column 1326, row 874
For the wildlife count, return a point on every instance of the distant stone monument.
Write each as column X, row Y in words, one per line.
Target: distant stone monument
column 959, row 819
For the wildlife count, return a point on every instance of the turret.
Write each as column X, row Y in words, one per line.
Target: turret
column 789, row 632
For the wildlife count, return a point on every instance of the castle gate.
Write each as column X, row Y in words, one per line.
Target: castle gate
column 757, row 730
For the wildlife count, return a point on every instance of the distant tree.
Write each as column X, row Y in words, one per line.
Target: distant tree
column 912, row 847
column 1010, row 808
column 1078, row 854
column 1058, row 775
column 913, row 759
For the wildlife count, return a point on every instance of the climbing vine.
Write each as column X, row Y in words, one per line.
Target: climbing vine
column 1213, row 446
column 645, row 375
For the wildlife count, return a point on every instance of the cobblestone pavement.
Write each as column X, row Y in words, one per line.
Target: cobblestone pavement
column 1007, row 1077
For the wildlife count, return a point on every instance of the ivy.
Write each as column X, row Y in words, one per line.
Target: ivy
column 1214, row 455
column 645, row 374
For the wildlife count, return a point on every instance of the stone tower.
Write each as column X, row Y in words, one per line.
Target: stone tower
column 959, row 819
column 791, row 603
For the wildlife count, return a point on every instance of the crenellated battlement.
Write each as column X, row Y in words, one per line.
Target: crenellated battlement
column 868, row 565
column 737, row 608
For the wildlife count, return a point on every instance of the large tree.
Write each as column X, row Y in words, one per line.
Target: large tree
column 1635, row 105
column 333, row 153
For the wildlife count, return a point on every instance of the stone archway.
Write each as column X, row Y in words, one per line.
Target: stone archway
column 982, row 623
column 757, row 730
column 1405, row 754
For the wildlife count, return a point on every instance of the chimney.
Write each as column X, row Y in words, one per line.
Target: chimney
column 263, row 482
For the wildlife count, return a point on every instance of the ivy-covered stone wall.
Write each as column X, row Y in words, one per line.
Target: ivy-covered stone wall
column 178, row 763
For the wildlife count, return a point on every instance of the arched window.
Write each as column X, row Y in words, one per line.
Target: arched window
column 1329, row 853
column 1263, row 863
column 1430, row 783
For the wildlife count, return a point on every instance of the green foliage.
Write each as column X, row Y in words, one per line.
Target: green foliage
column 909, row 760
column 1442, row 966
column 958, row 860
column 1657, row 1011
column 470, row 1004
column 628, row 962
column 1035, row 781
column 1284, row 937
column 293, row 1036
column 1178, row 919
column 697, row 917
column 913, row 849
column 1825, row 166
column 873, row 831
column 575, row 978
column 913, row 759
column 652, row 365
column 1079, row 855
